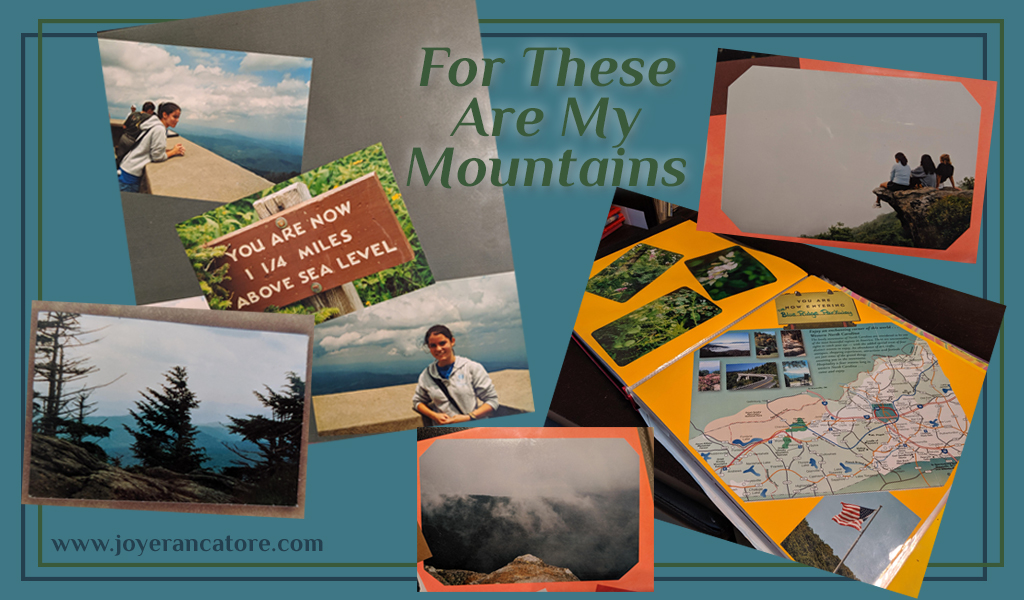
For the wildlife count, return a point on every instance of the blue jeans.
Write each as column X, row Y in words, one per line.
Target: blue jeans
column 129, row 182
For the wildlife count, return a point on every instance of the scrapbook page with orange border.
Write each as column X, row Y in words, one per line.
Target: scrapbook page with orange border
column 639, row 578
column 714, row 219
column 670, row 395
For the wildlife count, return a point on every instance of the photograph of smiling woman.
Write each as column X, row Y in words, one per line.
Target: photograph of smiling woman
column 454, row 389
column 449, row 353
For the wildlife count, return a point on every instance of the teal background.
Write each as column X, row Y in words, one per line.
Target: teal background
column 360, row 493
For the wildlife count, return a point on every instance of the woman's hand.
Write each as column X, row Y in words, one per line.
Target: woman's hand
column 178, row 150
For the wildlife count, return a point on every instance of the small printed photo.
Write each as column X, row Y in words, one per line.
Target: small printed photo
column 653, row 325
column 450, row 353
column 328, row 242
column 860, row 536
column 797, row 373
column 793, row 343
column 203, row 124
column 729, row 272
column 709, row 376
column 751, row 376
column 732, row 343
column 535, row 509
column 766, row 344
column 631, row 272
column 167, row 409
column 875, row 171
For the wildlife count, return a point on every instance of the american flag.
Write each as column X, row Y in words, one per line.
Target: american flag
column 852, row 515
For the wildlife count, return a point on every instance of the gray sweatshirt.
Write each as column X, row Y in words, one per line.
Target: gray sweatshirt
column 468, row 384
column 152, row 147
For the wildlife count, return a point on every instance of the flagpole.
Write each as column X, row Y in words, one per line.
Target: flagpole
column 836, row 570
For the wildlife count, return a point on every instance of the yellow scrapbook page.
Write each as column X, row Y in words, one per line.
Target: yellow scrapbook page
column 655, row 301
column 839, row 439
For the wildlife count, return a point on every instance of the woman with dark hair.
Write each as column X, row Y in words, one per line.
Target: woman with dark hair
column 944, row 171
column 899, row 177
column 150, row 147
column 923, row 175
column 453, row 389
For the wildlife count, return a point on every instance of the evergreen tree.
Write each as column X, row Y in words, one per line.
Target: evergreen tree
column 278, row 438
column 273, row 467
column 60, row 397
column 166, row 437
column 77, row 429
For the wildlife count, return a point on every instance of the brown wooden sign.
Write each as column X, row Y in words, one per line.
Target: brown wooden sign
column 337, row 237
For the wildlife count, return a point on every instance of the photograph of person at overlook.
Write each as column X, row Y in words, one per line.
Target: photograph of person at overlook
column 201, row 123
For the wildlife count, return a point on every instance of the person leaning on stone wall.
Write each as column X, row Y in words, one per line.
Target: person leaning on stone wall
column 151, row 146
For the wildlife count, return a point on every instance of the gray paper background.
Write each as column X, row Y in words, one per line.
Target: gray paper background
column 362, row 92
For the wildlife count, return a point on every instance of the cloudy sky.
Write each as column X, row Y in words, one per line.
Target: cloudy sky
column 262, row 96
column 550, row 468
column 733, row 340
column 224, row 366
column 804, row 149
column 482, row 312
column 889, row 530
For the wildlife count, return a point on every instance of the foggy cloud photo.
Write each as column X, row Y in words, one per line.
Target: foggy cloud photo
column 573, row 503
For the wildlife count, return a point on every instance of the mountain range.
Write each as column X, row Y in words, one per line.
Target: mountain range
column 212, row 438
column 271, row 160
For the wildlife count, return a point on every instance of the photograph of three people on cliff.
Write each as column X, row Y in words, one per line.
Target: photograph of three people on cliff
column 826, row 152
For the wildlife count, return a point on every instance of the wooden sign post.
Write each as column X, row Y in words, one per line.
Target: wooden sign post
column 312, row 246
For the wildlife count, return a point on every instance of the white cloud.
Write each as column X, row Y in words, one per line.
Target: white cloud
column 209, row 93
column 271, row 62
column 474, row 306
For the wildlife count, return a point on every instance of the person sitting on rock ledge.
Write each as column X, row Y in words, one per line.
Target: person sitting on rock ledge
column 923, row 175
column 899, row 177
column 944, row 171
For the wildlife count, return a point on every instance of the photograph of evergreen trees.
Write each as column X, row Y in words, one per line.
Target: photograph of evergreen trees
column 132, row 410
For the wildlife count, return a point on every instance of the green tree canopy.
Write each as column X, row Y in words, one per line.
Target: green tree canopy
column 165, row 436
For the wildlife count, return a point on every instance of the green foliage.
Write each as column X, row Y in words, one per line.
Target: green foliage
column 273, row 469
column 631, row 272
column 766, row 344
column 734, row 381
column 951, row 217
column 60, row 410
column 729, row 272
column 326, row 314
column 165, row 436
column 967, row 183
column 650, row 326
column 807, row 547
column 372, row 289
column 838, row 232
column 885, row 230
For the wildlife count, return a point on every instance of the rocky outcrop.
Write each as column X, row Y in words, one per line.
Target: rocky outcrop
column 524, row 569
column 912, row 207
column 60, row 469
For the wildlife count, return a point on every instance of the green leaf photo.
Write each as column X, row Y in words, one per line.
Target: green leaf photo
column 653, row 325
column 631, row 272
